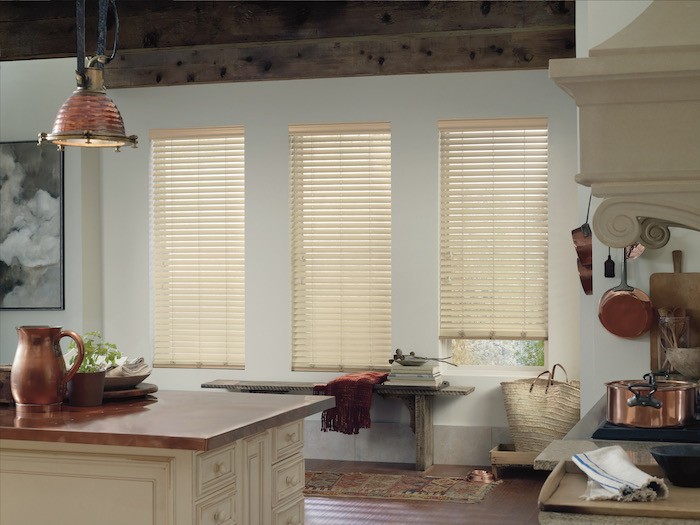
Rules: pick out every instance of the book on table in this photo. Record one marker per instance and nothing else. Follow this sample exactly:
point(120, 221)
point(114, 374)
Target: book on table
point(424, 377)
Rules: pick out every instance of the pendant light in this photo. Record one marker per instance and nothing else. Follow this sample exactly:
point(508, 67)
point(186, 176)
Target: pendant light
point(89, 118)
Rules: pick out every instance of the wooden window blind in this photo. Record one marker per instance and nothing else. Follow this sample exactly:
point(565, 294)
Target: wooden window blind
point(197, 244)
point(493, 229)
point(341, 246)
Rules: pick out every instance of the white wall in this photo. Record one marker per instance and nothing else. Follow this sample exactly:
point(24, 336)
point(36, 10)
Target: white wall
point(30, 94)
point(412, 104)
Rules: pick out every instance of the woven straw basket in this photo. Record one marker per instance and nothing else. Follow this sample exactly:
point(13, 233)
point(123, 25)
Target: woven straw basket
point(541, 410)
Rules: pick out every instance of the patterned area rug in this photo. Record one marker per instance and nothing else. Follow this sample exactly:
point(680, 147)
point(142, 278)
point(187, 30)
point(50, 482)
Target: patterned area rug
point(394, 486)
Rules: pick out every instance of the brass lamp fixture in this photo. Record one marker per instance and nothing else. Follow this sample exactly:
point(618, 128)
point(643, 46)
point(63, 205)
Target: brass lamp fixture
point(89, 118)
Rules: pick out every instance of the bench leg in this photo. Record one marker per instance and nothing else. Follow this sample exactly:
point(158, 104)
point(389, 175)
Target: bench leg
point(424, 431)
point(420, 408)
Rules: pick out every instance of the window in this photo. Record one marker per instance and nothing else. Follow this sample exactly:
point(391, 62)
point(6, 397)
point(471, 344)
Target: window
point(341, 246)
point(197, 247)
point(493, 240)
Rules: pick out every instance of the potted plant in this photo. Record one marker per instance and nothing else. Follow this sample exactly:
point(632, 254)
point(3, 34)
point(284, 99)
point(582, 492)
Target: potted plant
point(87, 386)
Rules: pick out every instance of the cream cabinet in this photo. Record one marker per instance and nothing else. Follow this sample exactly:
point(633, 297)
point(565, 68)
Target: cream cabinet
point(257, 480)
point(272, 476)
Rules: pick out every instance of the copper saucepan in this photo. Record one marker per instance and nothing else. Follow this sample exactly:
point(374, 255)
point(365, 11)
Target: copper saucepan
point(626, 311)
point(651, 404)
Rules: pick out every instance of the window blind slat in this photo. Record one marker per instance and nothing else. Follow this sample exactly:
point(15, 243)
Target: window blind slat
point(341, 246)
point(493, 229)
point(197, 236)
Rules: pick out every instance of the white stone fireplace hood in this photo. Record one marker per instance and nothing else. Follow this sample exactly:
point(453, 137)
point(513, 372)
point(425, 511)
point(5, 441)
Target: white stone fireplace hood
point(639, 124)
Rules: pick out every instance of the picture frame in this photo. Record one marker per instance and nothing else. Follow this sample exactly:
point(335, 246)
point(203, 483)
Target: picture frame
point(31, 227)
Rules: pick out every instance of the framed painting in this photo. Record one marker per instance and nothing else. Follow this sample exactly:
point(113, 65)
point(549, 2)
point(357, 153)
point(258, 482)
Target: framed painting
point(31, 227)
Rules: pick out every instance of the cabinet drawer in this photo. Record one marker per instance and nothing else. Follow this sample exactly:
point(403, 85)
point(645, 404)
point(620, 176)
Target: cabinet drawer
point(214, 470)
point(290, 514)
point(217, 510)
point(287, 479)
point(287, 439)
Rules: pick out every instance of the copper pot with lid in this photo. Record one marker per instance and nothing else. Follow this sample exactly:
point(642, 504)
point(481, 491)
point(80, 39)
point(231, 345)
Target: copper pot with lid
point(652, 404)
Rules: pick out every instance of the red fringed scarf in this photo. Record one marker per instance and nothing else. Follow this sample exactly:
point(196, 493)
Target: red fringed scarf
point(353, 399)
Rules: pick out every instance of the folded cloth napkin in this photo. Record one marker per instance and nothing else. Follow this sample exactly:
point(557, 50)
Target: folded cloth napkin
point(612, 475)
point(135, 367)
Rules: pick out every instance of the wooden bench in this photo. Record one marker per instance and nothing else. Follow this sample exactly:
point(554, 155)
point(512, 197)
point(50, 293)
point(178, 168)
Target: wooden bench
point(418, 400)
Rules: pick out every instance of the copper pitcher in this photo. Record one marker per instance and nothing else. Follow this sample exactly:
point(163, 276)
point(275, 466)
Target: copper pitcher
point(38, 379)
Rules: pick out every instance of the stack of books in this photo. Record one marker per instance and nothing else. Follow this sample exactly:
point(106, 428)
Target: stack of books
point(424, 375)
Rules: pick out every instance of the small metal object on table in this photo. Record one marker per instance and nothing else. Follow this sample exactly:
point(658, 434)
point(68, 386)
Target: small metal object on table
point(419, 402)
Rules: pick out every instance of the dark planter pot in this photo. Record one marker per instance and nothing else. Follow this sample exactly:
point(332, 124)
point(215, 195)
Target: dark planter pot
point(86, 389)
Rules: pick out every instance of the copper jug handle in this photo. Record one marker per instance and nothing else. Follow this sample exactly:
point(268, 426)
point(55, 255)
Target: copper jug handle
point(78, 358)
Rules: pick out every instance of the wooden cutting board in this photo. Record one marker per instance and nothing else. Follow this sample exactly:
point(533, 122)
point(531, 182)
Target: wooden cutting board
point(675, 289)
point(563, 488)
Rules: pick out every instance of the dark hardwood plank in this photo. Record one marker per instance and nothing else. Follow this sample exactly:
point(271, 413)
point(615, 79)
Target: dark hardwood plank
point(514, 502)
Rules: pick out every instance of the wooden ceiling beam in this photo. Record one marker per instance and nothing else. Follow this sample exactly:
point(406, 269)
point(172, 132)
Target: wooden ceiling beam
point(166, 43)
point(326, 58)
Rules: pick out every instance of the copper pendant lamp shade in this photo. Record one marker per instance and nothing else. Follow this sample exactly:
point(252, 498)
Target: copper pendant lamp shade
point(89, 118)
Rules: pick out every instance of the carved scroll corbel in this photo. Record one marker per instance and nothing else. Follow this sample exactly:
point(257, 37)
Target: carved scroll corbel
point(620, 222)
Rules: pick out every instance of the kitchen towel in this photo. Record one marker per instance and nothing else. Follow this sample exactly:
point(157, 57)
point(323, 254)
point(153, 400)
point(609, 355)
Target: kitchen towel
point(612, 475)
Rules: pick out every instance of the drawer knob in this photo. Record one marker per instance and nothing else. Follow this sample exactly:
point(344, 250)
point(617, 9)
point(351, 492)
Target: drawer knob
point(291, 480)
point(219, 517)
point(219, 467)
point(290, 436)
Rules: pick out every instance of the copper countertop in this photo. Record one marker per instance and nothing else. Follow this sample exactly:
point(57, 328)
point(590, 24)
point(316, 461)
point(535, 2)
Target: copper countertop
point(167, 419)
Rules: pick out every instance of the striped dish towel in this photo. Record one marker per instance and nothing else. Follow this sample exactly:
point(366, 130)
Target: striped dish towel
point(611, 475)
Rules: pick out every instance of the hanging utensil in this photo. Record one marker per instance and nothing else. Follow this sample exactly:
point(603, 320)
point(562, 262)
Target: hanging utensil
point(626, 311)
point(609, 266)
point(583, 242)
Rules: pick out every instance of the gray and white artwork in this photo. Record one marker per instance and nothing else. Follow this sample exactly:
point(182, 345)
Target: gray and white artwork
point(31, 226)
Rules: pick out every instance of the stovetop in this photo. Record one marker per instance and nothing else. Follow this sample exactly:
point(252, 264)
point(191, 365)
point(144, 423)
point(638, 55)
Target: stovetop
point(688, 434)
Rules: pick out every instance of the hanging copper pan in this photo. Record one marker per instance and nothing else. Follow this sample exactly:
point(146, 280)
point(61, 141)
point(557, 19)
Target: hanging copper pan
point(583, 242)
point(626, 311)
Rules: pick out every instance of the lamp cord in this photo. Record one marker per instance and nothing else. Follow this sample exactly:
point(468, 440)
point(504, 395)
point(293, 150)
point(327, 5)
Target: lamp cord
point(102, 31)
point(80, 35)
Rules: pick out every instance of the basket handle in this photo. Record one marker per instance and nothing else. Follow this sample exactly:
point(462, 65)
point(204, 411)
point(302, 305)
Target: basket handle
point(550, 377)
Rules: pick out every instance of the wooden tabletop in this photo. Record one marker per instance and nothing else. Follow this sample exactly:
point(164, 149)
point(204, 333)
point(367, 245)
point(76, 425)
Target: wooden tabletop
point(167, 419)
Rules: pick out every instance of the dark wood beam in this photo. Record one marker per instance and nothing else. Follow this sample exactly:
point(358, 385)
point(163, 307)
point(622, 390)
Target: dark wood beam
point(470, 51)
point(166, 43)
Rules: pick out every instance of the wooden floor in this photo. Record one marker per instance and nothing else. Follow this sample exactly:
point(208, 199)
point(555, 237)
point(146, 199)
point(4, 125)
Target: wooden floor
point(513, 502)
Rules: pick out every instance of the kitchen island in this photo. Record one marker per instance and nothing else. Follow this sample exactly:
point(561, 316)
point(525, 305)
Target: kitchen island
point(172, 458)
